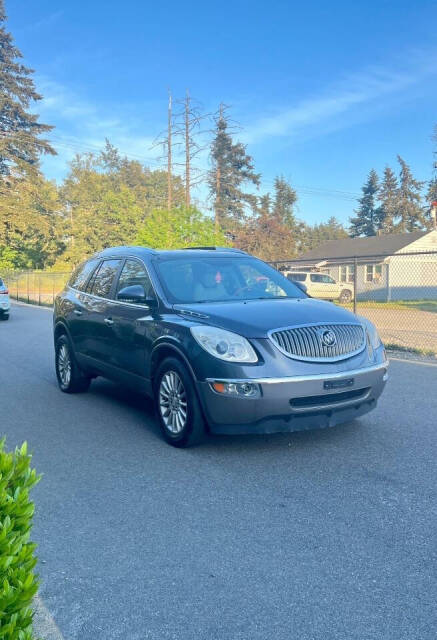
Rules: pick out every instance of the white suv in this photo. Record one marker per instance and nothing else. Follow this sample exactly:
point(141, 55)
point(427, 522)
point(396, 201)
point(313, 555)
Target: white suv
point(320, 285)
point(5, 304)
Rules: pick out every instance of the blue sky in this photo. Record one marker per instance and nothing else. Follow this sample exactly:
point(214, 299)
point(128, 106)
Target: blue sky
point(323, 91)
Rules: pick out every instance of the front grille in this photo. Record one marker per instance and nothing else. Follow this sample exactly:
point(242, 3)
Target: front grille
point(311, 342)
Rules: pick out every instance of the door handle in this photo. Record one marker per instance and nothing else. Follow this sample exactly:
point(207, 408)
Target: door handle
point(109, 321)
point(78, 312)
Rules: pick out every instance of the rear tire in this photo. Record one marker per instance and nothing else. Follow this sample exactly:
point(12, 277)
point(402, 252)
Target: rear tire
point(177, 405)
point(71, 378)
point(4, 316)
point(345, 296)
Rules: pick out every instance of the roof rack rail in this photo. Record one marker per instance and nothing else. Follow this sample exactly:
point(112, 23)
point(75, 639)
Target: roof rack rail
point(231, 249)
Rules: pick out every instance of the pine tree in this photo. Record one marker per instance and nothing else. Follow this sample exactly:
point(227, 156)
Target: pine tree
point(284, 201)
point(389, 199)
point(367, 215)
point(232, 167)
point(410, 209)
point(20, 144)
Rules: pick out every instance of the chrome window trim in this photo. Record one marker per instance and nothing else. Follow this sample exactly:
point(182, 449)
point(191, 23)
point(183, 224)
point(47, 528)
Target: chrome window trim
point(344, 356)
point(113, 300)
point(305, 378)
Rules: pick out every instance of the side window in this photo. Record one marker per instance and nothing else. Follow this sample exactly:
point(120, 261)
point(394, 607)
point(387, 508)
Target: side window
point(316, 277)
point(328, 280)
point(80, 276)
point(134, 272)
point(299, 277)
point(104, 277)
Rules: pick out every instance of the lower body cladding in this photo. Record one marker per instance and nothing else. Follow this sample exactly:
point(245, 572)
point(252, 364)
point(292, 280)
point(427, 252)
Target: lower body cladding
point(274, 405)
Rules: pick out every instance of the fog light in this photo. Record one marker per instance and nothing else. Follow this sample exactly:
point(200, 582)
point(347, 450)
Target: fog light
point(241, 389)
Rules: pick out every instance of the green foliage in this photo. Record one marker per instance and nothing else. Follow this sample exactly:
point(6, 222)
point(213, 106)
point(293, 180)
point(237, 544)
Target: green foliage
point(231, 168)
point(284, 203)
point(410, 209)
point(365, 223)
point(9, 259)
point(179, 228)
point(18, 583)
point(389, 198)
point(315, 235)
point(20, 144)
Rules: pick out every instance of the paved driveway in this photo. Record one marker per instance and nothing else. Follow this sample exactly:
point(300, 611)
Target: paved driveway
point(310, 536)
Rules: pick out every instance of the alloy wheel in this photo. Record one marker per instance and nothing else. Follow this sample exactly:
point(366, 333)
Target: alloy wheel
point(64, 365)
point(173, 402)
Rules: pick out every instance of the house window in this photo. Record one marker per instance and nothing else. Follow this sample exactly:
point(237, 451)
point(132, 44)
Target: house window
point(347, 273)
point(373, 272)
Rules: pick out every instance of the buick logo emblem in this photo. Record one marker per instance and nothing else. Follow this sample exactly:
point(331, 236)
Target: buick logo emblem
point(328, 338)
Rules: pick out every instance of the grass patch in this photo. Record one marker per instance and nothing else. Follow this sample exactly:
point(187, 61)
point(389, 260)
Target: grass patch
point(393, 346)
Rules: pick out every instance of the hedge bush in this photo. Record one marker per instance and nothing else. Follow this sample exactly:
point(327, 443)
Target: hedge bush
point(18, 582)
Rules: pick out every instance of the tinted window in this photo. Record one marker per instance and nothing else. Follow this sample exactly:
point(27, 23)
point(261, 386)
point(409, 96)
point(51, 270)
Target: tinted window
point(80, 276)
point(328, 280)
point(104, 277)
point(134, 272)
point(206, 279)
point(300, 277)
point(1, 282)
point(316, 277)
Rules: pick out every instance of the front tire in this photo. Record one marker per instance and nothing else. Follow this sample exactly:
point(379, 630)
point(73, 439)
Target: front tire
point(70, 378)
point(177, 406)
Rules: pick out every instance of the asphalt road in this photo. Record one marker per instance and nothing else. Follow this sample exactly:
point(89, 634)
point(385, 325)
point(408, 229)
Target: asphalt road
point(308, 536)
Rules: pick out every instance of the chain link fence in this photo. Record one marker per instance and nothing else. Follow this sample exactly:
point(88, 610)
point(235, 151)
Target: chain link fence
point(398, 293)
point(35, 287)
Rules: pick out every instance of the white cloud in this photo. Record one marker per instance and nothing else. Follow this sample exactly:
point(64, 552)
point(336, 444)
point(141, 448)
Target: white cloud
point(332, 108)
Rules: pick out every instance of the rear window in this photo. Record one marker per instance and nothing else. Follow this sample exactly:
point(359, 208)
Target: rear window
point(80, 277)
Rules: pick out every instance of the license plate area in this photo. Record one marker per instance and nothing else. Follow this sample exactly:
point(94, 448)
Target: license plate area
point(346, 383)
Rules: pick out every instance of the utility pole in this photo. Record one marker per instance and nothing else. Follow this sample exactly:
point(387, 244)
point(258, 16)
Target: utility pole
point(218, 183)
point(187, 152)
point(169, 158)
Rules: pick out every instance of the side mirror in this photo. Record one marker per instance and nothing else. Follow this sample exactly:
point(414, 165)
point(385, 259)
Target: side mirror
point(135, 293)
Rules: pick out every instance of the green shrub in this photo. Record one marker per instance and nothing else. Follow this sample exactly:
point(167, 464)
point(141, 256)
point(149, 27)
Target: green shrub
point(18, 583)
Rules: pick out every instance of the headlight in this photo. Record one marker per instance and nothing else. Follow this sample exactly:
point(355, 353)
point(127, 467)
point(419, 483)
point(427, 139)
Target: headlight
point(371, 332)
point(224, 344)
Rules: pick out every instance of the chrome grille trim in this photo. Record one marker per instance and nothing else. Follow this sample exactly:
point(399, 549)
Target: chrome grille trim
point(303, 342)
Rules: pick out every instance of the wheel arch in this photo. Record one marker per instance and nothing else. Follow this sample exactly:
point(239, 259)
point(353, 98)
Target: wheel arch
point(164, 350)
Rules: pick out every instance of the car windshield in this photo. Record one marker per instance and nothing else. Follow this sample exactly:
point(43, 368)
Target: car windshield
point(202, 279)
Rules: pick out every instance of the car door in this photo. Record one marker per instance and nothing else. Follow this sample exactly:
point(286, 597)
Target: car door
point(316, 288)
point(74, 304)
point(99, 335)
point(331, 288)
point(135, 326)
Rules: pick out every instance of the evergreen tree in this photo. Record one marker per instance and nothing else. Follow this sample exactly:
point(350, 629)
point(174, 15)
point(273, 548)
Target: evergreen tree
point(389, 199)
point(315, 235)
point(284, 201)
point(232, 167)
point(410, 210)
point(20, 144)
point(367, 215)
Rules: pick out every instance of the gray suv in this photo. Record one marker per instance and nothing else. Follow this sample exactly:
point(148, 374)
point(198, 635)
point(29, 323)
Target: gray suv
point(222, 341)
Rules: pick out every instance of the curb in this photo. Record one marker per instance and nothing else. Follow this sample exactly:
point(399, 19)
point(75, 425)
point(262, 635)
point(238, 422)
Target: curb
point(44, 624)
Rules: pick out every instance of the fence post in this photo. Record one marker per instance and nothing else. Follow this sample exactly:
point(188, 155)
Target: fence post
point(355, 283)
point(39, 289)
point(27, 282)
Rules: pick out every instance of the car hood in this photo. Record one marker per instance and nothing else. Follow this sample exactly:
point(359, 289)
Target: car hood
point(254, 318)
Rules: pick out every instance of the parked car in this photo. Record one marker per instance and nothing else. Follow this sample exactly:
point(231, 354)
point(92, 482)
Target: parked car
point(5, 304)
point(320, 285)
point(221, 340)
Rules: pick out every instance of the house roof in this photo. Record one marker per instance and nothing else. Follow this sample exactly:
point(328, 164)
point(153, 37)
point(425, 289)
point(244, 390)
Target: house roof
point(346, 247)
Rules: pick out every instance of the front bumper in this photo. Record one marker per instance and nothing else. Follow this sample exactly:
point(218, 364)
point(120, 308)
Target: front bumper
point(295, 403)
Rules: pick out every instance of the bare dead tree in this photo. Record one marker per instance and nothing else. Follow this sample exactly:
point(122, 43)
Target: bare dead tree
point(188, 129)
point(165, 140)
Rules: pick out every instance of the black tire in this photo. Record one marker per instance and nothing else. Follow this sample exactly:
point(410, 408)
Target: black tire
point(345, 296)
point(76, 381)
point(4, 316)
point(192, 430)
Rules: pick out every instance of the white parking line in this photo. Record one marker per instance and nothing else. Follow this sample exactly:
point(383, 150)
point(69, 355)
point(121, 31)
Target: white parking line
point(44, 624)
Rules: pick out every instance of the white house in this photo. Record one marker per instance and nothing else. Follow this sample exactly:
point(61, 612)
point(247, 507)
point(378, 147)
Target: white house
point(389, 267)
